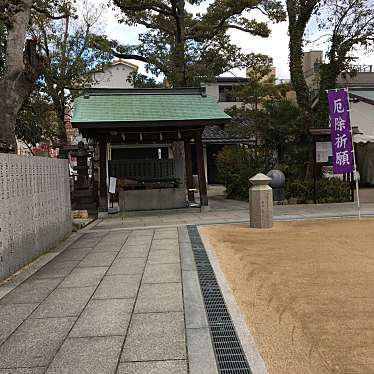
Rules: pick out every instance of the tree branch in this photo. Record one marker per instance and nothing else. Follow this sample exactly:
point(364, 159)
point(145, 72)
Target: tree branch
point(129, 56)
point(49, 15)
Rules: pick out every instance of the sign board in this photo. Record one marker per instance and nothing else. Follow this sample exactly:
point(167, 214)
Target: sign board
point(341, 136)
point(112, 185)
point(323, 152)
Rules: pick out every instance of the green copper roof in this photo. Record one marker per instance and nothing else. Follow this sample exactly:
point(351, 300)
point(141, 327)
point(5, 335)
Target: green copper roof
point(366, 94)
point(152, 106)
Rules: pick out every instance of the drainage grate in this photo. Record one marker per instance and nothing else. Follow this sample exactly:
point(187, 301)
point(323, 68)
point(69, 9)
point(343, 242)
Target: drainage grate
point(229, 353)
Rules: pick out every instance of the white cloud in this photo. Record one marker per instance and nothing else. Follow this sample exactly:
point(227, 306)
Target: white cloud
point(275, 46)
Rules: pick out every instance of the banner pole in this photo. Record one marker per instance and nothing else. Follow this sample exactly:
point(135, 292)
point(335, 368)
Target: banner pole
point(354, 159)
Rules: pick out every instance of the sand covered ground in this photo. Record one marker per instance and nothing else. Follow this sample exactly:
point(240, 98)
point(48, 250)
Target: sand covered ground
point(306, 290)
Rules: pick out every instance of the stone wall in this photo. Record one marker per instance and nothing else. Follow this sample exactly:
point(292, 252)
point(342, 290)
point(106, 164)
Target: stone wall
point(34, 208)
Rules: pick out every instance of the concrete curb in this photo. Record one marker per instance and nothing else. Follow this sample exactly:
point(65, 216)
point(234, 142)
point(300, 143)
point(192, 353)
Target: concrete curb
point(254, 358)
point(9, 284)
point(201, 357)
point(277, 218)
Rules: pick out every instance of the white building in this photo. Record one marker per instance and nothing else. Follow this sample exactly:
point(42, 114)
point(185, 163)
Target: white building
point(116, 75)
point(222, 91)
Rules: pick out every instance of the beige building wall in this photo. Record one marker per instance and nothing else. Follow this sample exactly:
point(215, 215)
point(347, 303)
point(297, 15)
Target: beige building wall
point(116, 75)
point(310, 58)
point(271, 75)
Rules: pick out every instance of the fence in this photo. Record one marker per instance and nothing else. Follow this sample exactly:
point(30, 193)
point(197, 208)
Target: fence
point(34, 208)
point(143, 170)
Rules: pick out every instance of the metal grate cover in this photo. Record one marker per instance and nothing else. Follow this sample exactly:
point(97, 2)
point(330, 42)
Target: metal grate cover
point(228, 350)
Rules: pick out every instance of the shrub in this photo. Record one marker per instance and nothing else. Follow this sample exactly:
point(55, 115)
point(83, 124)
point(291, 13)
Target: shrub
point(331, 190)
point(235, 166)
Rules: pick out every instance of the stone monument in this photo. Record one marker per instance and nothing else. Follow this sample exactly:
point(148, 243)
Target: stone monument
point(277, 183)
point(82, 167)
point(261, 202)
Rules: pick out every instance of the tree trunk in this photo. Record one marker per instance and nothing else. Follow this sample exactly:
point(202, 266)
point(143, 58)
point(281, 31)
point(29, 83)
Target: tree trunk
point(297, 74)
point(329, 74)
point(22, 68)
point(180, 41)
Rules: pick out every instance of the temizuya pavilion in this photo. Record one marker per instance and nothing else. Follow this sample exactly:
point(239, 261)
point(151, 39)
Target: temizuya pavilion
point(143, 138)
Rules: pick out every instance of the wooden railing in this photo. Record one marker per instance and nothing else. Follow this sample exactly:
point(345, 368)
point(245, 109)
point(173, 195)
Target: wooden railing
point(143, 170)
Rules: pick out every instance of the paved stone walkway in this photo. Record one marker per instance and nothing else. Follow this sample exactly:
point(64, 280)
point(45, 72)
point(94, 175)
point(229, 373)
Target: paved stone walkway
point(226, 212)
point(112, 302)
point(123, 298)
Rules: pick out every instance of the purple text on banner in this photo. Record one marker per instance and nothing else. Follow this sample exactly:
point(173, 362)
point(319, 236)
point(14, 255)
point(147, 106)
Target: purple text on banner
point(341, 137)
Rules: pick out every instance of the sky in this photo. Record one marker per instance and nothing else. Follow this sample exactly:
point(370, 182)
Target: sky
point(275, 46)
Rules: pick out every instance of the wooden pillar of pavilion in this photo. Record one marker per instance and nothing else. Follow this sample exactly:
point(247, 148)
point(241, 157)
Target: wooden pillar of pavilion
point(201, 169)
point(103, 188)
point(188, 162)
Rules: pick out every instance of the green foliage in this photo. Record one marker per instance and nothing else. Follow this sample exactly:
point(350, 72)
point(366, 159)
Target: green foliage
point(66, 44)
point(37, 121)
point(327, 190)
point(140, 80)
point(188, 47)
point(346, 25)
point(273, 127)
point(236, 164)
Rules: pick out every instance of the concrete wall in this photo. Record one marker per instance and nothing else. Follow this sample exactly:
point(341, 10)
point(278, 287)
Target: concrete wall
point(34, 208)
point(115, 76)
point(157, 199)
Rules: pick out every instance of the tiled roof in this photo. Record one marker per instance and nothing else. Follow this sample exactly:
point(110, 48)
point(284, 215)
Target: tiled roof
point(142, 106)
point(218, 135)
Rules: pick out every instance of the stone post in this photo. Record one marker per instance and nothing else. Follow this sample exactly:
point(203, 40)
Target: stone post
point(261, 202)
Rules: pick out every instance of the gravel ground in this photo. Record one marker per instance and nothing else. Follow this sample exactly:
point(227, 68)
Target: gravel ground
point(306, 290)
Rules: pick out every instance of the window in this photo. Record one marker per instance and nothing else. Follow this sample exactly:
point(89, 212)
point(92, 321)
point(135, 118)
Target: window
point(227, 94)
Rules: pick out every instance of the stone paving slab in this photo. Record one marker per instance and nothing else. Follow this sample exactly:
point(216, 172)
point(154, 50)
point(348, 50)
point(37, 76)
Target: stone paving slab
point(84, 244)
point(104, 318)
point(11, 316)
point(107, 291)
point(118, 287)
point(126, 265)
point(143, 232)
point(164, 257)
point(154, 367)
point(107, 248)
point(74, 254)
point(139, 240)
point(64, 302)
point(163, 244)
point(56, 269)
point(98, 259)
point(35, 342)
point(154, 337)
point(134, 251)
point(84, 277)
point(87, 356)
point(23, 371)
point(166, 235)
point(32, 291)
point(165, 297)
point(162, 273)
